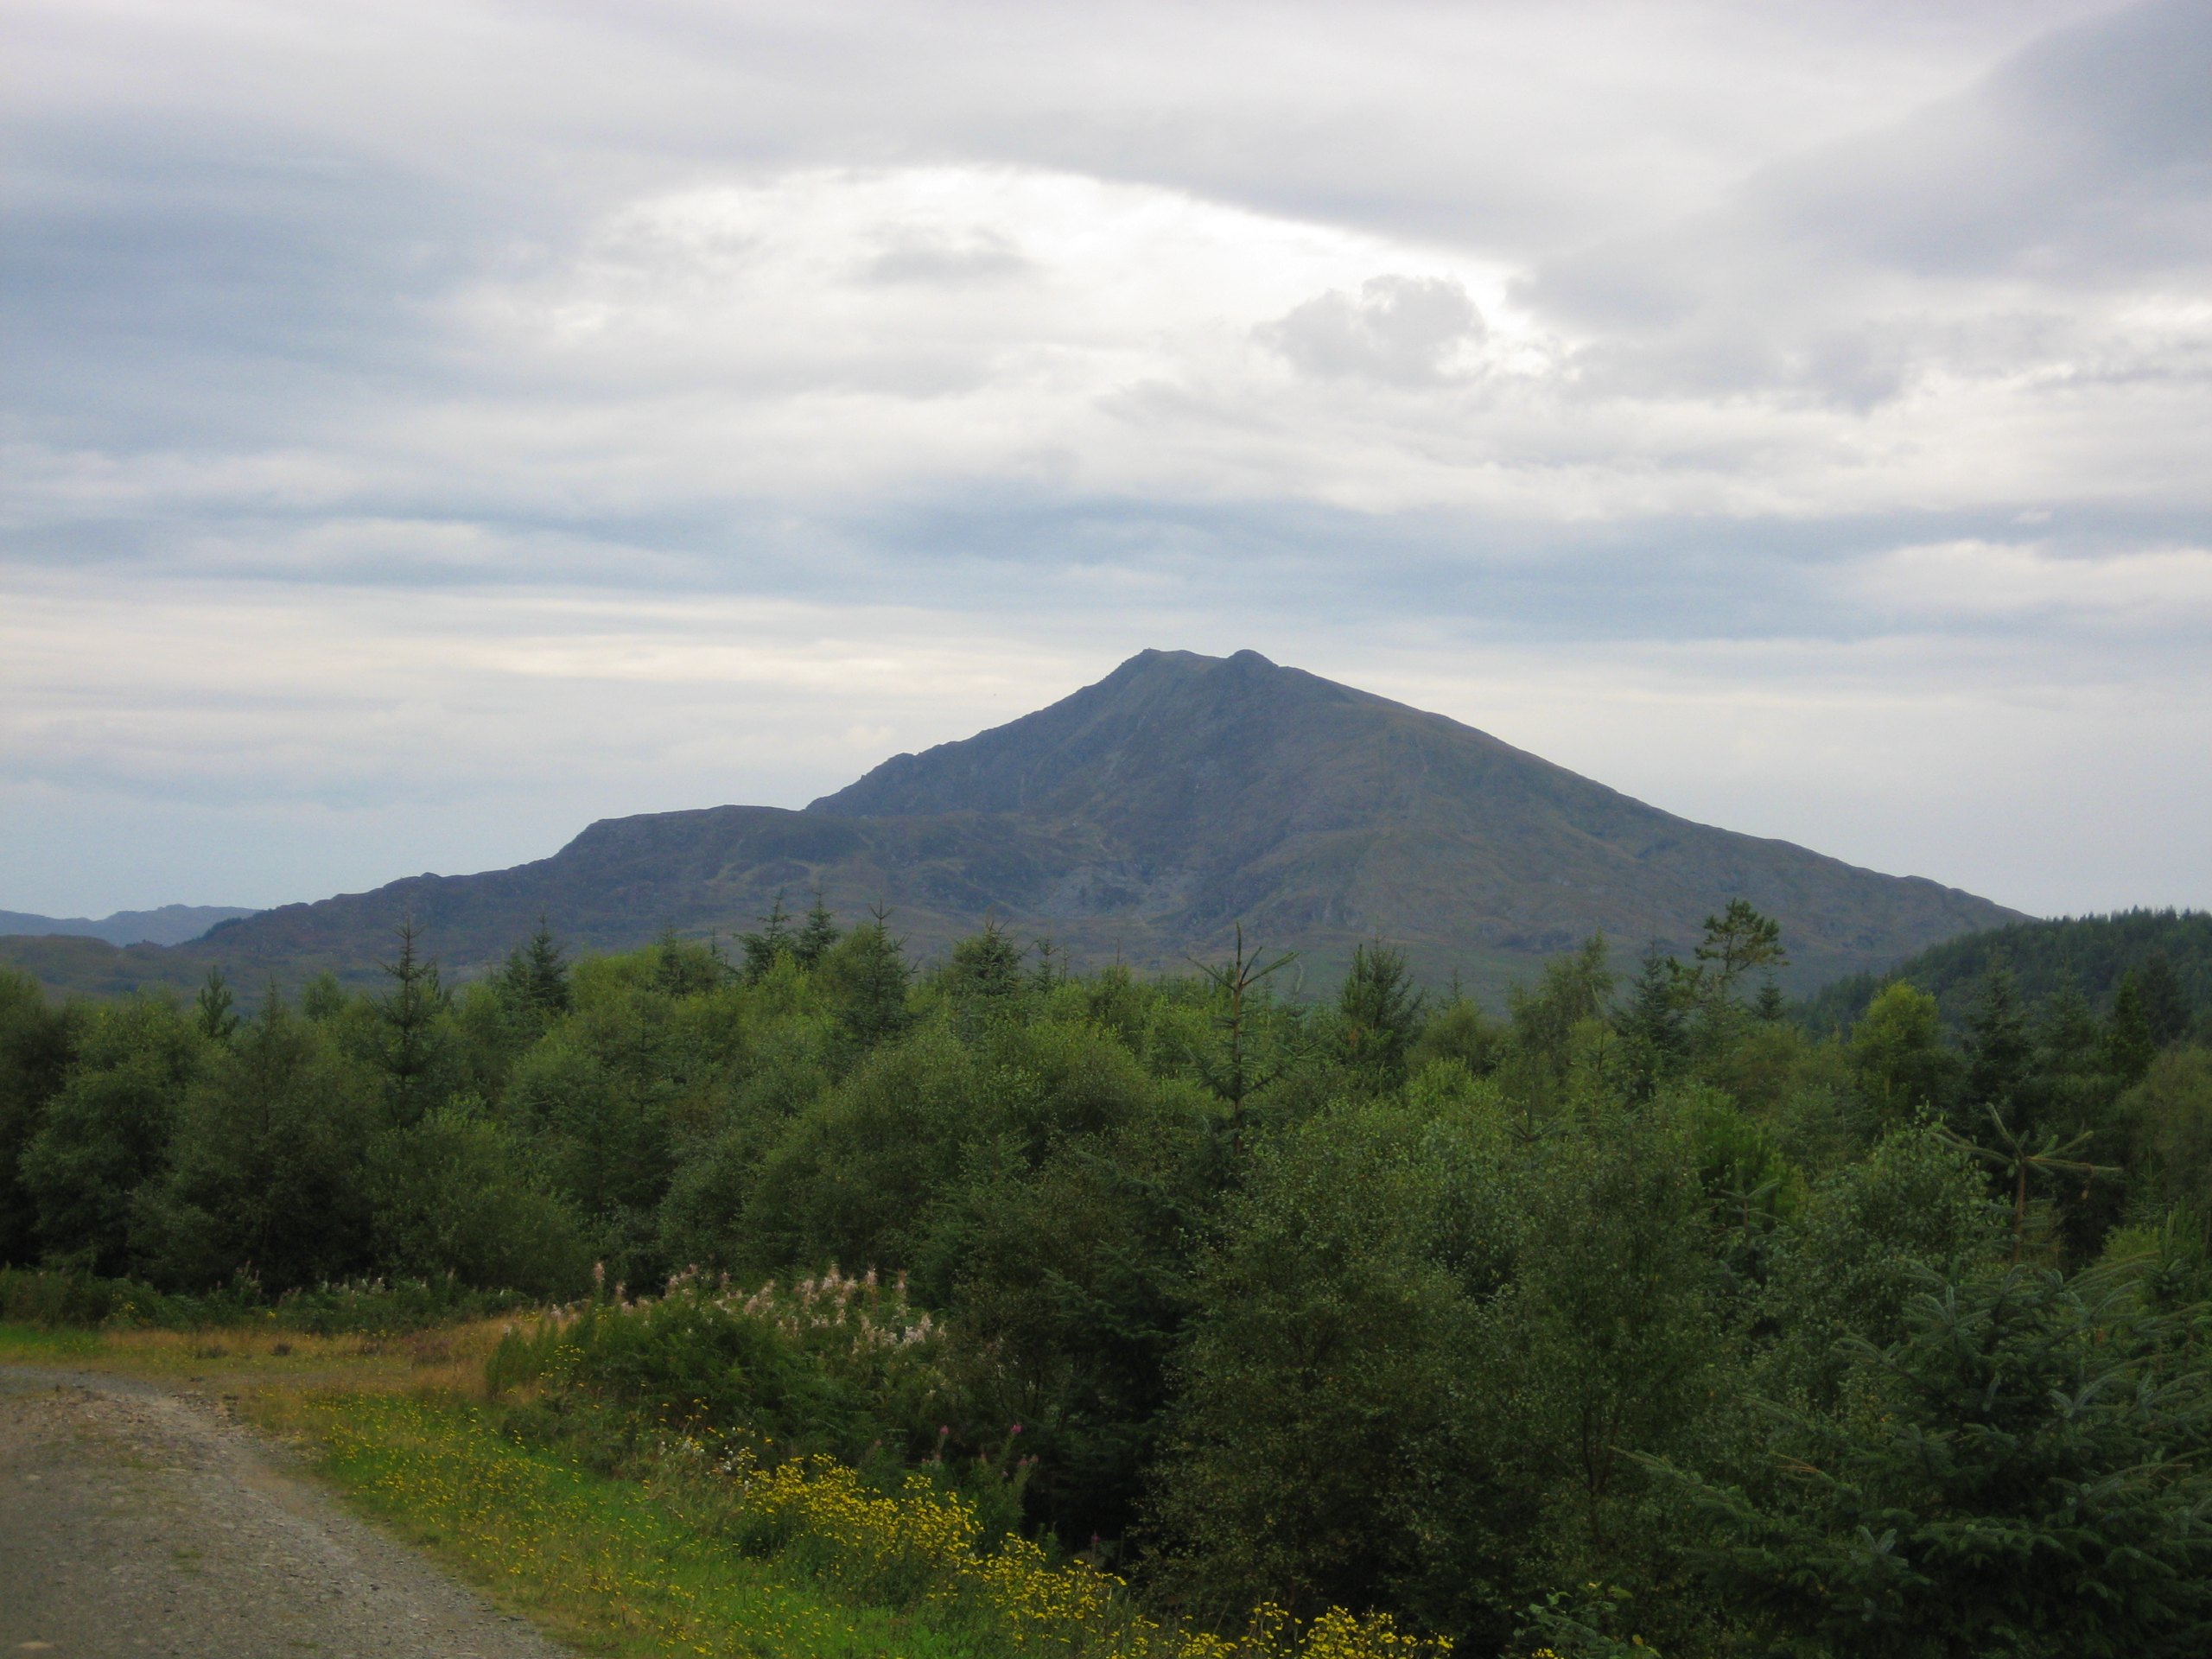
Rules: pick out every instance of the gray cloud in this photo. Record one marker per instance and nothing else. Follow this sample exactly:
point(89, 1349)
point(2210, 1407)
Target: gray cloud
point(1988, 234)
point(1398, 328)
point(496, 384)
point(2088, 156)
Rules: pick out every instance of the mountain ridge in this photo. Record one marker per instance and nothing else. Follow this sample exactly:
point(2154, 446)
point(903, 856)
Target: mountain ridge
point(164, 925)
point(1145, 816)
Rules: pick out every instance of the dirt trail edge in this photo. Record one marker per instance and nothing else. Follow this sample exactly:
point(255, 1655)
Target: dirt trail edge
point(135, 1520)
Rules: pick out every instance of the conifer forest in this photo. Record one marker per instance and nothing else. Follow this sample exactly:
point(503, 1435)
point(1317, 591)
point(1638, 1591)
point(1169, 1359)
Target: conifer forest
point(1649, 1313)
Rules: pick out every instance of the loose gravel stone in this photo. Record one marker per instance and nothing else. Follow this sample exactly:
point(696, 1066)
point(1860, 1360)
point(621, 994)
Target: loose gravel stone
point(137, 1520)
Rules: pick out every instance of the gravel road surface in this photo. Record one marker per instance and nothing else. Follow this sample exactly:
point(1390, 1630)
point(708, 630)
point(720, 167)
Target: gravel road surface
point(139, 1519)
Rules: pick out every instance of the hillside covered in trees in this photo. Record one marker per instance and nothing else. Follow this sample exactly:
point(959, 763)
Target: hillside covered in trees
point(1638, 1318)
point(2169, 952)
point(1139, 820)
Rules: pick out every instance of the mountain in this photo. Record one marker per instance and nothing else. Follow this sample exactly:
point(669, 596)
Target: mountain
point(170, 924)
point(1142, 818)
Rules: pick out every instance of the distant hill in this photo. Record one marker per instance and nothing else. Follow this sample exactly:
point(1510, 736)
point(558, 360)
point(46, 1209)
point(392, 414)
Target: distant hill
point(1142, 818)
point(2094, 952)
point(170, 924)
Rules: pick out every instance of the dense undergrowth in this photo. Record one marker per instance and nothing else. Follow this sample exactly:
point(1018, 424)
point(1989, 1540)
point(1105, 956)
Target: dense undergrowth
point(73, 1297)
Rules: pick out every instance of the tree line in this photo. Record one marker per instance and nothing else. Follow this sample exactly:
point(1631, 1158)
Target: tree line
point(2162, 959)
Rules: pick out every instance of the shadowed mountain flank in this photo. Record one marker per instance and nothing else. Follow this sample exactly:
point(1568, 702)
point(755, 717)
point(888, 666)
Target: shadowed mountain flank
point(1192, 793)
point(1143, 817)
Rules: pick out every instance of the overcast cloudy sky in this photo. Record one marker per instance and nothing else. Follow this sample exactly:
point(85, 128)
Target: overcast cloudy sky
point(426, 428)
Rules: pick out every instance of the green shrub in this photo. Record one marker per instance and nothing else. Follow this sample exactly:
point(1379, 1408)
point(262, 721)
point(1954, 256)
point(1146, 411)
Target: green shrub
point(50, 1298)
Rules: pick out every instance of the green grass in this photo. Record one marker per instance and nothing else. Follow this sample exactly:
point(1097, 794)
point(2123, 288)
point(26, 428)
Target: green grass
point(664, 1553)
point(612, 1565)
point(604, 1561)
point(31, 1344)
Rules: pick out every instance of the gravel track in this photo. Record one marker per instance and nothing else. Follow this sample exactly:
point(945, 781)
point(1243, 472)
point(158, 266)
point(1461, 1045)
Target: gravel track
point(139, 1520)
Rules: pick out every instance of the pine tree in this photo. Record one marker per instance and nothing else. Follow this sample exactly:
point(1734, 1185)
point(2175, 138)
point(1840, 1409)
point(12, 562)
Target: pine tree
point(819, 936)
point(2027, 1476)
point(1999, 1047)
point(217, 1017)
point(1378, 1015)
point(1052, 969)
point(1736, 941)
point(987, 964)
point(685, 967)
point(2069, 1086)
point(2165, 1007)
point(2129, 1045)
point(868, 976)
point(2018, 1159)
point(2069, 1040)
point(1656, 1024)
point(535, 977)
point(774, 939)
point(408, 1015)
point(1235, 1071)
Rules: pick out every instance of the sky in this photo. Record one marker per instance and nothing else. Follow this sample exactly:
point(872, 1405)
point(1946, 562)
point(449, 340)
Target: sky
point(427, 428)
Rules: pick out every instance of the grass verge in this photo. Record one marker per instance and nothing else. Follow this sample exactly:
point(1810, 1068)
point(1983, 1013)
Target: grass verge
point(606, 1562)
point(687, 1547)
point(400, 1429)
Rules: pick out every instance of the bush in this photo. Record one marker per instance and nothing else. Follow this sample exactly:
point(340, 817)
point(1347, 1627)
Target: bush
point(59, 1298)
point(831, 1365)
point(358, 1307)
